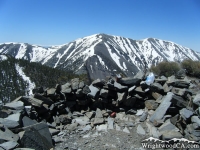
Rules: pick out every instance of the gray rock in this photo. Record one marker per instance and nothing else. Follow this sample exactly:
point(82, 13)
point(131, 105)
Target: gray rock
point(53, 131)
point(93, 92)
point(7, 135)
point(104, 93)
point(9, 145)
point(72, 126)
point(110, 123)
point(157, 87)
point(64, 119)
point(161, 110)
point(179, 101)
point(168, 135)
point(89, 114)
point(79, 93)
point(126, 130)
point(121, 97)
point(86, 89)
point(98, 113)
point(47, 101)
point(14, 117)
point(98, 121)
point(102, 127)
point(10, 124)
point(151, 104)
point(98, 83)
point(39, 131)
point(66, 88)
point(153, 131)
point(27, 121)
point(131, 89)
point(167, 126)
point(117, 127)
point(130, 124)
point(29, 100)
point(5, 113)
point(81, 120)
point(139, 112)
point(129, 101)
point(81, 85)
point(196, 100)
point(156, 95)
point(86, 128)
point(185, 113)
point(195, 119)
point(51, 92)
point(75, 83)
point(120, 87)
point(140, 130)
point(143, 117)
point(18, 105)
point(131, 81)
point(33, 139)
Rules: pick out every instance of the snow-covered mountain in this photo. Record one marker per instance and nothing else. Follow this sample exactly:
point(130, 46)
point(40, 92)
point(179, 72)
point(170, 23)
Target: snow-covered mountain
point(101, 55)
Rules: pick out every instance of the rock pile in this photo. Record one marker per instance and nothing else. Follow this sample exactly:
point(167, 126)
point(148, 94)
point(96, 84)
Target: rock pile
point(168, 108)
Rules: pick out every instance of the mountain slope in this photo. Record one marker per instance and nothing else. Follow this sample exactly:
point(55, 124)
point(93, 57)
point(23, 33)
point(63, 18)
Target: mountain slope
point(101, 55)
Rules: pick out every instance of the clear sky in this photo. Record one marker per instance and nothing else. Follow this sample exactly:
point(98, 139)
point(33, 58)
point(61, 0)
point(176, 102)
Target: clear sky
point(55, 22)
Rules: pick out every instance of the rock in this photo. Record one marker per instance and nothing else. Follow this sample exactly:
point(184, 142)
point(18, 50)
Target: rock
point(93, 92)
point(143, 117)
point(167, 126)
point(130, 124)
point(185, 113)
point(53, 131)
point(98, 113)
point(166, 88)
point(51, 92)
point(196, 100)
point(86, 90)
point(33, 139)
point(119, 87)
point(89, 114)
point(179, 101)
point(10, 124)
point(66, 88)
point(98, 83)
point(27, 121)
point(140, 130)
point(151, 104)
point(75, 83)
point(168, 135)
point(44, 99)
point(14, 117)
point(117, 127)
point(64, 119)
point(86, 128)
point(157, 87)
point(79, 93)
point(102, 127)
point(195, 119)
point(126, 130)
point(181, 84)
point(9, 145)
point(139, 112)
point(131, 112)
point(81, 120)
point(72, 126)
point(129, 101)
point(131, 81)
point(121, 97)
point(161, 79)
point(98, 121)
point(110, 123)
point(5, 113)
point(161, 110)
point(39, 131)
point(7, 135)
point(81, 85)
point(104, 93)
point(153, 131)
point(156, 95)
point(131, 89)
point(18, 105)
point(29, 100)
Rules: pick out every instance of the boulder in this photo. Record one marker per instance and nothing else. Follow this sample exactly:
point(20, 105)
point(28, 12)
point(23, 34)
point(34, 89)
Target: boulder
point(75, 83)
point(66, 88)
point(29, 100)
point(119, 87)
point(93, 91)
point(16, 105)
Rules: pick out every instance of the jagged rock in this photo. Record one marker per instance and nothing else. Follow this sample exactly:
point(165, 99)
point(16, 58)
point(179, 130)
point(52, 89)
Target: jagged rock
point(140, 130)
point(98, 83)
point(126, 130)
point(120, 87)
point(10, 124)
point(157, 87)
point(139, 91)
point(75, 83)
point(32, 138)
point(167, 126)
point(195, 119)
point(5, 113)
point(179, 101)
point(167, 88)
point(98, 121)
point(161, 110)
point(53, 131)
point(72, 126)
point(66, 88)
point(104, 93)
point(139, 112)
point(168, 135)
point(7, 135)
point(93, 91)
point(151, 104)
point(86, 90)
point(41, 130)
point(17, 105)
point(81, 85)
point(9, 145)
point(171, 80)
point(81, 120)
point(156, 95)
point(153, 131)
point(27, 121)
point(89, 114)
point(51, 92)
point(29, 100)
point(131, 89)
point(121, 97)
point(44, 99)
point(196, 100)
point(185, 113)
point(98, 113)
point(161, 79)
point(86, 128)
point(14, 117)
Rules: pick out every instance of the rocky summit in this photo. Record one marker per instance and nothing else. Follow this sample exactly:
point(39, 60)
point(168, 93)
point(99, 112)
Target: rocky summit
point(101, 55)
point(115, 113)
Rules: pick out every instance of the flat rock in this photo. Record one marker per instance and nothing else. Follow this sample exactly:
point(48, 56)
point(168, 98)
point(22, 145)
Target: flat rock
point(131, 81)
point(27, 121)
point(86, 128)
point(53, 131)
point(195, 119)
point(5, 113)
point(18, 105)
point(47, 101)
point(196, 100)
point(81, 85)
point(66, 88)
point(9, 145)
point(89, 114)
point(98, 113)
point(168, 135)
point(81, 120)
point(139, 112)
point(7, 135)
point(117, 127)
point(120, 87)
point(51, 92)
point(29, 100)
point(185, 113)
point(151, 104)
point(10, 124)
point(93, 92)
point(140, 130)
point(167, 126)
point(153, 131)
point(14, 117)
point(110, 123)
point(72, 126)
point(98, 121)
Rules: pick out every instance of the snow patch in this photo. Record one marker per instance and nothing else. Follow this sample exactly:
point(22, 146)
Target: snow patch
point(31, 85)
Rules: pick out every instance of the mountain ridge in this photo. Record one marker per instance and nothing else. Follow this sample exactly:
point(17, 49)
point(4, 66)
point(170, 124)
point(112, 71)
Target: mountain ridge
point(101, 55)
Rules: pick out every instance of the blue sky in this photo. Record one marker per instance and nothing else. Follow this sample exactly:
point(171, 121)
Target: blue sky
point(55, 22)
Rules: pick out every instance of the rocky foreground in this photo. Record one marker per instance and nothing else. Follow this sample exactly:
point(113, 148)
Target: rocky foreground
point(117, 113)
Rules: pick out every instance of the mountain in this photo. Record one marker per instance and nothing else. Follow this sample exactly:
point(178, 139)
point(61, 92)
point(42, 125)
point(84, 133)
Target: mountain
point(101, 55)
